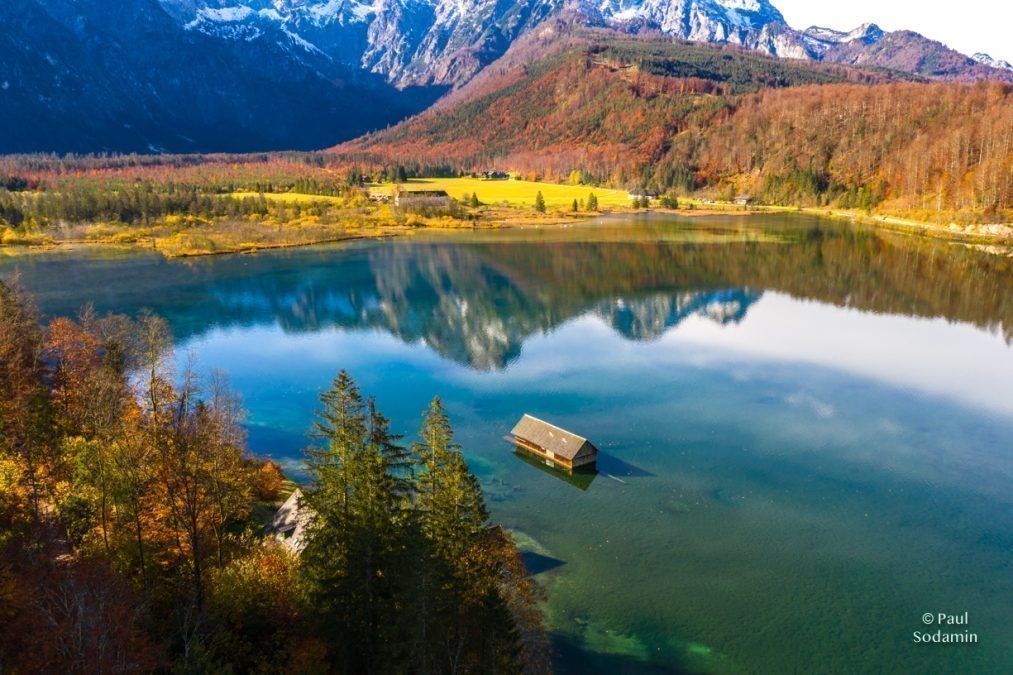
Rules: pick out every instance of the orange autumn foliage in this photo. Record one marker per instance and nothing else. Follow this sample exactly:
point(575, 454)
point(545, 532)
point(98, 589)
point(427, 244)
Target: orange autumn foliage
point(269, 481)
point(940, 148)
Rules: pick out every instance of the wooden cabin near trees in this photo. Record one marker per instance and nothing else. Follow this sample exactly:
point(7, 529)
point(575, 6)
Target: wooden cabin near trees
point(640, 193)
point(491, 175)
point(557, 447)
point(434, 199)
point(290, 521)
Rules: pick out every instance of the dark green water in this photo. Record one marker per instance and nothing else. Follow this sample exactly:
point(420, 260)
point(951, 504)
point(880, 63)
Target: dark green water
point(807, 429)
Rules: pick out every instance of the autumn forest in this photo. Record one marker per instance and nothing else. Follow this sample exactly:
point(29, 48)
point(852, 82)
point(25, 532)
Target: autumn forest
point(629, 116)
point(132, 519)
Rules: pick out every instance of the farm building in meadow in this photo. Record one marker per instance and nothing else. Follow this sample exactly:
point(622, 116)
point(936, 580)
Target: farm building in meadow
point(421, 198)
point(557, 447)
point(640, 193)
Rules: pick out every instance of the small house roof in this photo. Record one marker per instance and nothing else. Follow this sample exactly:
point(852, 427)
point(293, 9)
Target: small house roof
point(408, 192)
point(289, 522)
point(552, 438)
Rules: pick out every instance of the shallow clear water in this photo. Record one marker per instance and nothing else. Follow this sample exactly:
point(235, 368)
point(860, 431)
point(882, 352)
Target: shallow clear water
point(806, 429)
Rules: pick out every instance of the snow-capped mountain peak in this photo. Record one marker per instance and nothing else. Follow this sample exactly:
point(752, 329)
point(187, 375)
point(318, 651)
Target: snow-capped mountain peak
point(867, 33)
point(687, 18)
point(987, 60)
point(445, 42)
point(819, 40)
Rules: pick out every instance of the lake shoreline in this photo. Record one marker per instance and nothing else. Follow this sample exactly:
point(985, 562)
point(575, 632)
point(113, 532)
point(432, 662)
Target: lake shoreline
point(989, 234)
point(996, 239)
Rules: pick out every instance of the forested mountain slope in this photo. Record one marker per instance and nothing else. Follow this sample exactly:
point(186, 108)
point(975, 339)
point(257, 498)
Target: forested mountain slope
point(692, 118)
point(99, 76)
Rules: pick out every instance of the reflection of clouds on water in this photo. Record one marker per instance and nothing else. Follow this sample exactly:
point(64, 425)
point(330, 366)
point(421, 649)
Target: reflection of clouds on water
point(740, 375)
point(889, 426)
point(823, 410)
point(930, 356)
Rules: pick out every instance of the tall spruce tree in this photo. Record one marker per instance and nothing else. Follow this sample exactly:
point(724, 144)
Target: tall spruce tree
point(341, 423)
point(358, 499)
point(450, 515)
point(450, 504)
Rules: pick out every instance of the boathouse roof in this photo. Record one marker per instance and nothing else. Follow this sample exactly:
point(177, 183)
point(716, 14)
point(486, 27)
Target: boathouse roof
point(552, 438)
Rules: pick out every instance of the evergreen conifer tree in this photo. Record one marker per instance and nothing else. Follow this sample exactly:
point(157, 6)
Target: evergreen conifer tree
point(540, 202)
point(449, 501)
point(358, 498)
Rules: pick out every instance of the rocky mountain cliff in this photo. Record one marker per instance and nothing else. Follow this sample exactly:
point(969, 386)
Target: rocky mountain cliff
point(913, 53)
point(445, 42)
point(406, 41)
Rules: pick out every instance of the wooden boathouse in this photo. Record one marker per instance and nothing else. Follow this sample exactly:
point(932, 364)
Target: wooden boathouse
point(555, 446)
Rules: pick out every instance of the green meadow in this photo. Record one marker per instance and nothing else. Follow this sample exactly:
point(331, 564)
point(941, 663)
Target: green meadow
point(520, 193)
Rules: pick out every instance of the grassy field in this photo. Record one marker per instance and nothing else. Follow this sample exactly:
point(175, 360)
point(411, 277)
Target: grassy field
point(291, 197)
point(513, 192)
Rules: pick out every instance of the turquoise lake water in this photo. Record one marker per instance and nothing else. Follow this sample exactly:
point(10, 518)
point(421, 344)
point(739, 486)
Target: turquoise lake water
point(806, 428)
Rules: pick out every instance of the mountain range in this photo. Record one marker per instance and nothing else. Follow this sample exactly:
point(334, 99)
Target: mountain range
point(412, 42)
point(242, 75)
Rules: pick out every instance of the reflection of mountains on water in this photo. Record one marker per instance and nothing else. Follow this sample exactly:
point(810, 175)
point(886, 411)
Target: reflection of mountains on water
point(649, 318)
point(476, 303)
point(466, 309)
point(463, 306)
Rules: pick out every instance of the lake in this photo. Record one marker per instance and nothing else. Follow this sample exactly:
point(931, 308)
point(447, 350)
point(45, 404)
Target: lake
point(806, 427)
